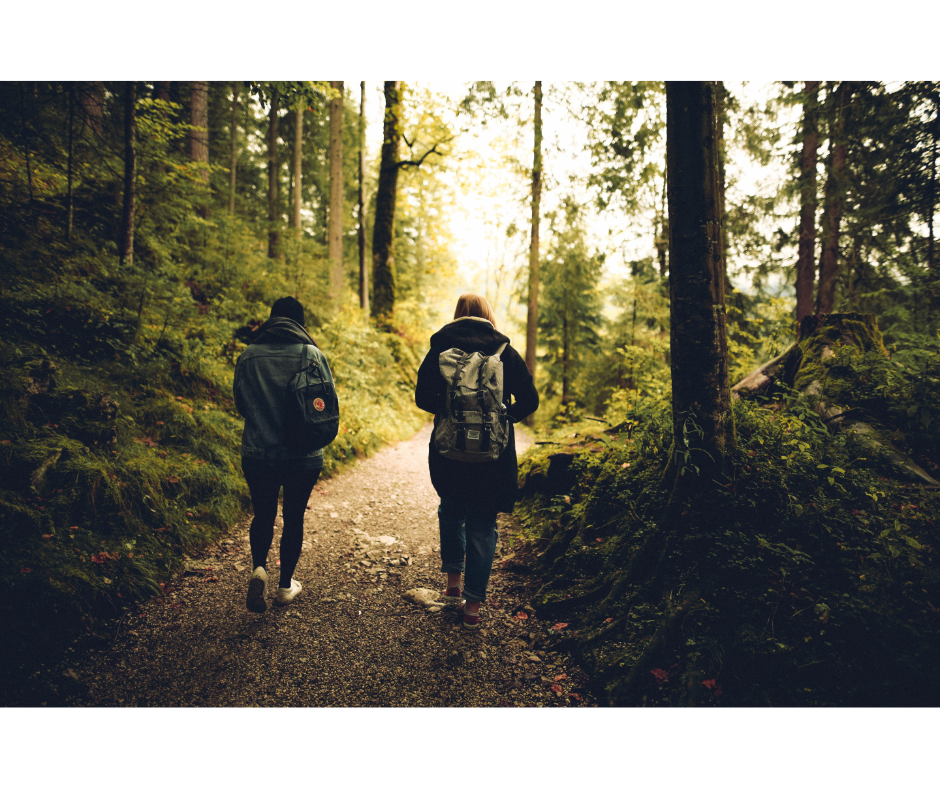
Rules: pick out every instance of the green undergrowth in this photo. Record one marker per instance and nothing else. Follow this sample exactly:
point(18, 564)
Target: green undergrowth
point(809, 577)
point(120, 443)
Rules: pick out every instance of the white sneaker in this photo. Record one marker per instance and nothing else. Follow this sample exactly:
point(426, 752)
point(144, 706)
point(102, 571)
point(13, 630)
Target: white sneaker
point(257, 601)
point(286, 595)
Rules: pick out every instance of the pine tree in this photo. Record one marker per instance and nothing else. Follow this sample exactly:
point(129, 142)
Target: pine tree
point(570, 309)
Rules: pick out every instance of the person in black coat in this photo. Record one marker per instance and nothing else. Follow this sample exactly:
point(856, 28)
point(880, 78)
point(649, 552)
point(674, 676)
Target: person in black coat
point(472, 493)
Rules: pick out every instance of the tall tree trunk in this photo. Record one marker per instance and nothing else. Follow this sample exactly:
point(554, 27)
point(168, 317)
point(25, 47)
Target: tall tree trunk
point(335, 248)
point(91, 99)
point(662, 236)
point(130, 173)
point(532, 311)
point(565, 358)
point(199, 136)
point(832, 210)
point(701, 401)
point(233, 151)
point(161, 91)
point(363, 279)
point(806, 259)
point(273, 179)
point(721, 97)
point(199, 119)
point(383, 263)
point(932, 272)
point(297, 164)
point(25, 135)
point(70, 199)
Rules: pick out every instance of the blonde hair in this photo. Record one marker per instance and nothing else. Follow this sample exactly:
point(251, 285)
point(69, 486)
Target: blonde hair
point(473, 305)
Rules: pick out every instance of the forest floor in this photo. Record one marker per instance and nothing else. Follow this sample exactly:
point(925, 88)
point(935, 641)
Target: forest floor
point(350, 638)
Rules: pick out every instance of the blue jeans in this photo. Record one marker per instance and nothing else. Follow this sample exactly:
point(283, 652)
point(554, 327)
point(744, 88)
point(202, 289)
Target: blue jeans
point(468, 531)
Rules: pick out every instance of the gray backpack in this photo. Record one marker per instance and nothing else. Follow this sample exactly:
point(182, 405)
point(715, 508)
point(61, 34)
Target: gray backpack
point(475, 426)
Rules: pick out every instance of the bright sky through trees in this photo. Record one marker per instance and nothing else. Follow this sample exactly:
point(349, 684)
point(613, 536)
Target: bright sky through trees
point(489, 171)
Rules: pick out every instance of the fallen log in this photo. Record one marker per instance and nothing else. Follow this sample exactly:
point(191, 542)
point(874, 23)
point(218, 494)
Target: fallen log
point(804, 367)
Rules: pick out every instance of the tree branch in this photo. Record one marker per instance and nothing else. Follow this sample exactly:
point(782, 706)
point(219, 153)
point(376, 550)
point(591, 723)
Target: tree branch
point(419, 162)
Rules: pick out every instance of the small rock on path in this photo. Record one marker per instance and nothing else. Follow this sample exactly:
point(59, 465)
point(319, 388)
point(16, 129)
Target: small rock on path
point(350, 638)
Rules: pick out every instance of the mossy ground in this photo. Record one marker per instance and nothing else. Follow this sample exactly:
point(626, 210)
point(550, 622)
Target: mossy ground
point(101, 504)
point(815, 572)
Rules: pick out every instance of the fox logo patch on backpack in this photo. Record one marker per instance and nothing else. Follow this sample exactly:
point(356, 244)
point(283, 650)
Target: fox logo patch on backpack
point(475, 426)
point(311, 407)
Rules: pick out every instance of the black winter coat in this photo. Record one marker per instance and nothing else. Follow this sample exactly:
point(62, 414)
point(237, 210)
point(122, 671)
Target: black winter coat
point(492, 483)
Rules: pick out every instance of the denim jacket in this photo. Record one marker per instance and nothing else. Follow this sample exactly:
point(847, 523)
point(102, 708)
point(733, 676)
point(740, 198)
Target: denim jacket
point(262, 373)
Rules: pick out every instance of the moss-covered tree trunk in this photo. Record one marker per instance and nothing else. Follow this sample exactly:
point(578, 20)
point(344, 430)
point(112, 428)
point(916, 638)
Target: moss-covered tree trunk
point(130, 173)
point(701, 401)
point(532, 309)
point(335, 248)
point(805, 263)
point(383, 264)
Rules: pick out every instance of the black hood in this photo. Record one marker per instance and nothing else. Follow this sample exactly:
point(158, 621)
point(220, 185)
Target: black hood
point(282, 331)
point(470, 334)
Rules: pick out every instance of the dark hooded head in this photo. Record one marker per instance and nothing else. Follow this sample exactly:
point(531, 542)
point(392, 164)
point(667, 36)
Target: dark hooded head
point(288, 307)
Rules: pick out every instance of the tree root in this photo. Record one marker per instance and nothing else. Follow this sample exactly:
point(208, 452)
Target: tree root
point(559, 606)
point(663, 635)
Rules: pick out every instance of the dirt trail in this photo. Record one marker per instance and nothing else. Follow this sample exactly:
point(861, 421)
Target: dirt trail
point(350, 638)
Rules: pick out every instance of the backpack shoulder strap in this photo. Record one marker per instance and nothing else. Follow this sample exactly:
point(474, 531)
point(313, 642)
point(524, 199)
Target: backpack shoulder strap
point(500, 349)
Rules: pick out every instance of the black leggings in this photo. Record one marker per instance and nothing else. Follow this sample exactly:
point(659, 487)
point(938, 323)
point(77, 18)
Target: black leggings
point(264, 484)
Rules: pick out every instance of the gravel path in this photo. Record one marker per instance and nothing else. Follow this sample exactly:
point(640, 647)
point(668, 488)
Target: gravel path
point(350, 638)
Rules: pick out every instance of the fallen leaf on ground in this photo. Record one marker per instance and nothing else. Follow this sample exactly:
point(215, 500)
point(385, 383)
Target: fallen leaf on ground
point(561, 677)
point(559, 625)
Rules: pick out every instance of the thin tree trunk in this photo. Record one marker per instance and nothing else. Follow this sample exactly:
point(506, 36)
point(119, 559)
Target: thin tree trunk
point(701, 401)
point(832, 214)
point(25, 134)
point(199, 119)
point(383, 263)
point(161, 91)
point(199, 136)
point(130, 173)
point(363, 279)
point(233, 151)
point(297, 165)
point(662, 236)
point(91, 99)
point(335, 248)
point(273, 180)
point(722, 109)
point(70, 198)
point(564, 360)
point(532, 312)
point(932, 272)
point(805, 264)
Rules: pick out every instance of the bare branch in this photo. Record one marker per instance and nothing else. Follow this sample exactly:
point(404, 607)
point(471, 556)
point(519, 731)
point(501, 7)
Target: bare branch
point(420, 161)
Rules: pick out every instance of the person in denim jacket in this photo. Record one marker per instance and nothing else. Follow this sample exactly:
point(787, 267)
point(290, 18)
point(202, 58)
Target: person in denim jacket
point(262, 373)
